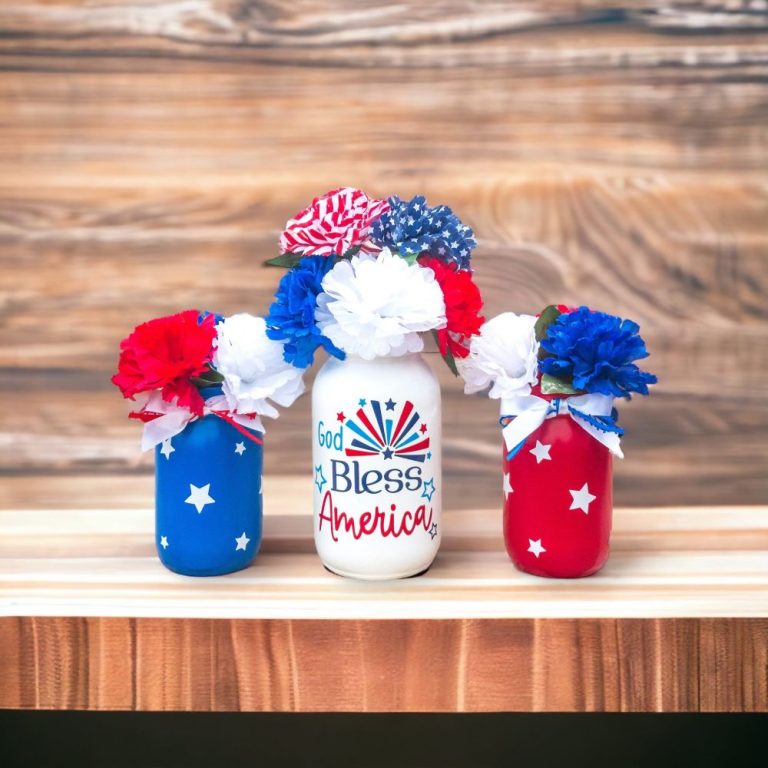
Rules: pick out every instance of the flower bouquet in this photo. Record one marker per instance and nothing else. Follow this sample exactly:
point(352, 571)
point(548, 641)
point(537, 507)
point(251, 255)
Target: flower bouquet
point(557, 376)
point(202, 383)
point(366, 280)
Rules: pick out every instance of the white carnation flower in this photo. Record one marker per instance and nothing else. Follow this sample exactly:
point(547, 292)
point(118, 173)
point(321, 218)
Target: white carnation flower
point(503, 355)
point(376, 306)
point(253, 367)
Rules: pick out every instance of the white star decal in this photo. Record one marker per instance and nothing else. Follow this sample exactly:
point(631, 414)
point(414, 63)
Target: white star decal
point(582, 499)
point(507, 485)
point(541, 452)
point(242, 542)
point(535, 547)
point(164, 542)
point(167, 449)
point(199, 497)
point(240, 448)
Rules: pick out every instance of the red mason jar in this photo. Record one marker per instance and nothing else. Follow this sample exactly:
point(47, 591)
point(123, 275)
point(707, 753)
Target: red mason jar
point(558, 500)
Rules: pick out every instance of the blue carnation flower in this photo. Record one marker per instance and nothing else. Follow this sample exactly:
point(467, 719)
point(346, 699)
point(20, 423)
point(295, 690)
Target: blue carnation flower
point(597, 352)
point(413, 228)
point(291, 317)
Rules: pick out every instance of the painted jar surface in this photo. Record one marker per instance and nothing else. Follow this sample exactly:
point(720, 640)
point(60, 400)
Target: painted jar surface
point(558, 501)
point(376, 442)
point(208, 506)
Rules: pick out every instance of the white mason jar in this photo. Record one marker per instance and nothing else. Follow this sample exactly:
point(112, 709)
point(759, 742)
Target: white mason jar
point(376, 427)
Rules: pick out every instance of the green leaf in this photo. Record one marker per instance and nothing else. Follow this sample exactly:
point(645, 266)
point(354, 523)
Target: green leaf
point(545, 319)
point(287, 260)
point(552, 385)
point(209, 378)
point(450, 361)
point(351, 252)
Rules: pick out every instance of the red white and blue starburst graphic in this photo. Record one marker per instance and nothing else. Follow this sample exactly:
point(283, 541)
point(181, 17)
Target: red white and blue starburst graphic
point(383, 428)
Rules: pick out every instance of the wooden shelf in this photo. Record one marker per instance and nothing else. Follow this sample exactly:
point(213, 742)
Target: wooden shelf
point(677, 620)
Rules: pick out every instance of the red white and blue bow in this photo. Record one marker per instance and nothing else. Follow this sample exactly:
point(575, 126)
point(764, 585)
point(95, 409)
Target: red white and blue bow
point(163, 420)
point(522, 415)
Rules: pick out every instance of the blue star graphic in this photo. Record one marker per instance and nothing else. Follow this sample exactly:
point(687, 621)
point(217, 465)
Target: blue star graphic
point(390, 404)
point(387, 453)
point(429, 454)
point(428, 490)
point(362, 401)
point(320, 480)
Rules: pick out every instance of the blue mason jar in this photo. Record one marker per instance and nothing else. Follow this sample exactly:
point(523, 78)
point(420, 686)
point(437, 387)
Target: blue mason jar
point(208, 502)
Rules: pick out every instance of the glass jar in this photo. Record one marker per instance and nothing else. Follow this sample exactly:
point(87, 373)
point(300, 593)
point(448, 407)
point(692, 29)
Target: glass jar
point(208, 509)
point(558, 500)
point(376, 427)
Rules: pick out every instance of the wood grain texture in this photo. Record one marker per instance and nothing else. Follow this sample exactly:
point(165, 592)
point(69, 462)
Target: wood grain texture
point(610, 156)
point(677, 621)
point(538, 665)
point(665, 563)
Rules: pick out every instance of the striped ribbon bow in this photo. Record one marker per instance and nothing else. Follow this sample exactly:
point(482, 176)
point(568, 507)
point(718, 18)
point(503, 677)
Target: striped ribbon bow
point(522, 415)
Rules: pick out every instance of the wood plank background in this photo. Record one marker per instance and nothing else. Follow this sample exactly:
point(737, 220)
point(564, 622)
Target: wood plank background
point(151, 151)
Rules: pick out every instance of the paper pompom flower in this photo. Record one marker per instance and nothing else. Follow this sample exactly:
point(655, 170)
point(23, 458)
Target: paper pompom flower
point(291, 317)
point(377, 306)
point(253, 367)
point(333, 224)
point(596, 352)
point(463, 304)
point(503, 356)
point(165, 354)
point(413, 228)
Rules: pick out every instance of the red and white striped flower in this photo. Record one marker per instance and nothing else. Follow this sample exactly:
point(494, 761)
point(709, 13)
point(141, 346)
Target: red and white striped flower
point(333, 223)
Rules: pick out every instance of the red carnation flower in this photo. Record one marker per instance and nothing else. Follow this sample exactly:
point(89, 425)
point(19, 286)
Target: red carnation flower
point(463, 304)
point(165, 354)
point(332, 224)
